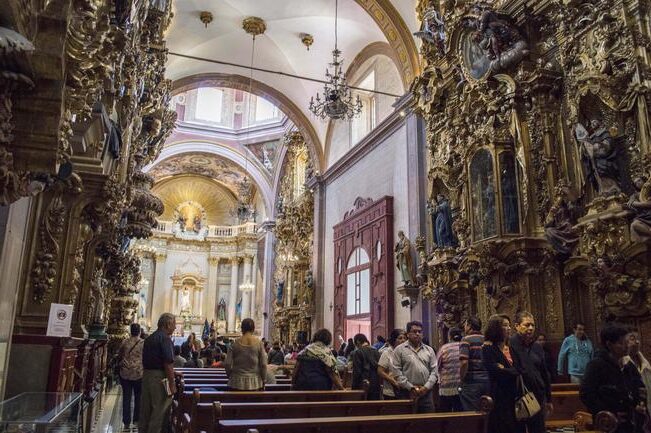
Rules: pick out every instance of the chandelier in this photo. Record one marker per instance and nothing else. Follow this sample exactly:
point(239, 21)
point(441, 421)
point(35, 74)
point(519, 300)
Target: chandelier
point(337, 101)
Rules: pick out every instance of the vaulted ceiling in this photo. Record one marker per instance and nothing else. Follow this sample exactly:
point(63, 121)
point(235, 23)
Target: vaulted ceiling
point(280, 48)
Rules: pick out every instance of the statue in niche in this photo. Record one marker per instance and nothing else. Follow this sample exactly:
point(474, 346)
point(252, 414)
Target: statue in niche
point(559, 230)
point(181, 222)
point(185, 299)
point(280, 287)
point(404, 261)
point(308, 288)
point(432, 30)
point(442, 222)
point(221, 309)
point(640, 204)
point(599, 154)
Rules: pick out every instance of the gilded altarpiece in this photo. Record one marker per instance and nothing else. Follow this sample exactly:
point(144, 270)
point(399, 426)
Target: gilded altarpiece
point(293, 304)
point(539, 167)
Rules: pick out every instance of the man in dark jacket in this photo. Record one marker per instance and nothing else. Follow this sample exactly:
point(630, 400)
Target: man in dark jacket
point(275, 355)
point(609, 386)
point(529, 360)
point(365, 361)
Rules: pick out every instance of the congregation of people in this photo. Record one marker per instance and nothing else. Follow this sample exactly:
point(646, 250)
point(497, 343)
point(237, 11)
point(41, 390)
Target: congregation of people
point(505, 360)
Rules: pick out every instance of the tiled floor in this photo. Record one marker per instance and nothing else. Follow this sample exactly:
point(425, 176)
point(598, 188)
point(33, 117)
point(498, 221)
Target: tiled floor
point(110, 416)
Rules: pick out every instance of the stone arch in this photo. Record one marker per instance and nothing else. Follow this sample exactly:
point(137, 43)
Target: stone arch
point(400, 38)
point(258, 88)
point(252, 168)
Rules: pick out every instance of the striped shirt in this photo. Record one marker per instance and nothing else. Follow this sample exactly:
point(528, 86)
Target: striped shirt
point(470, 349)
point(448, 369)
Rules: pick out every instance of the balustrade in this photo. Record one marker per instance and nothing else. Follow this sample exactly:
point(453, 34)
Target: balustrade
point(214, 231)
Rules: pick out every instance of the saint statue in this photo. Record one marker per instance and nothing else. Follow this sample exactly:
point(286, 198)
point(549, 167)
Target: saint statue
point(442, 222)
point(640, 204)
point(559, 229)
point(308, 287)
point(279, 292)
point(432, 29)
point(185, 299)
point(403, 259)
point(196, 226)
point(238, 308)
point(599, 154)
point(221, 309)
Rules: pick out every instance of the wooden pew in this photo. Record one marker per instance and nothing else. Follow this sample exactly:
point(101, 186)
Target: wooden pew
point(224, 387)
point(210, 379)
point(451, 422)
point(565, 387)
point(204, 416)
point(185, 399)
point(566, 405)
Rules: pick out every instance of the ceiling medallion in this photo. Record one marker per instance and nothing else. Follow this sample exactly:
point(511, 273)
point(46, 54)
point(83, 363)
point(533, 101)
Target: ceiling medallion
point(254, 26)
point(206, 18)
point(307, 40)
point(337, 101)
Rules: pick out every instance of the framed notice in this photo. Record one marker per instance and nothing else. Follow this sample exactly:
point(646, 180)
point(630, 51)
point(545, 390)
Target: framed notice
point(58, 325)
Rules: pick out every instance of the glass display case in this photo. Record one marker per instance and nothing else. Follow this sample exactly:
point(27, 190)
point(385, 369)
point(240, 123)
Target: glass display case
point(41, 412)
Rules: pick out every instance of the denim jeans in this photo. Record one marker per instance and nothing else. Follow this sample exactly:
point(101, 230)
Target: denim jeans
point(130, 388)
point(471, 393)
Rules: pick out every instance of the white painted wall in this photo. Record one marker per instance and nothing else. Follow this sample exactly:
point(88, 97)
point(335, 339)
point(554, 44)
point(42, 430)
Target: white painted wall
point(381, 172)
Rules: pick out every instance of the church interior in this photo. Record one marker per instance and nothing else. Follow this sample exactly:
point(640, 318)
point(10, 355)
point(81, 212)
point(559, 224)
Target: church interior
point(459, 158)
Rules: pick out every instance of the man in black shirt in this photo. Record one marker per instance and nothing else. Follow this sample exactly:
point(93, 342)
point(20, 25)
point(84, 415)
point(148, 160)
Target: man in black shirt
point(529, 360)
point(158, 364)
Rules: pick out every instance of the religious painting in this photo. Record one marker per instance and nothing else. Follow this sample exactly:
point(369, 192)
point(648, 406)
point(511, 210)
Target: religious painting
point(475, 59)
point(509, 189)
point(482, 186)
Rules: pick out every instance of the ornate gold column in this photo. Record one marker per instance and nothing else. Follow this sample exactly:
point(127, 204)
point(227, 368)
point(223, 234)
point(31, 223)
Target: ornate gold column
point(212, 287)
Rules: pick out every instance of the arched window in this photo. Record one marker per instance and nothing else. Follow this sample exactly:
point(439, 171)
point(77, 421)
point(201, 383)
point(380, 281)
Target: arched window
point(482, 187)
point(509, 190)
point(358, 283)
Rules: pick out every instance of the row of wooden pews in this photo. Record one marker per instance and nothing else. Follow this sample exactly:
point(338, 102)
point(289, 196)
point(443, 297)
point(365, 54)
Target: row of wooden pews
point(284, 411)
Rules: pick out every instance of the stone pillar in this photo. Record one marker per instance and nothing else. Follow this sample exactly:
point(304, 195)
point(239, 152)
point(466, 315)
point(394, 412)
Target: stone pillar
point(158, 306)
point(254, 281)
point(210, 296)
point(246, 294)
point(232, 296)
point(317, 187)
point(196, 302)
point(268, 287)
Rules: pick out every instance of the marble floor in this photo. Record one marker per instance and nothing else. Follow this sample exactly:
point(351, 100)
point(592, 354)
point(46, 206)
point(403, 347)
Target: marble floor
point(110, 416)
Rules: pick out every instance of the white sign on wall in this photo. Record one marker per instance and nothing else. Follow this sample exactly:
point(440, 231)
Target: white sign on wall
point(58, 325)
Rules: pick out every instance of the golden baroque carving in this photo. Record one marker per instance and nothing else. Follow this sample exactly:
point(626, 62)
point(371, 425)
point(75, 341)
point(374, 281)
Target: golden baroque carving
point(45, 267)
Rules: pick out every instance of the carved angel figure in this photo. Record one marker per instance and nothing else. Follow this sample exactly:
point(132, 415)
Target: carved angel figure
point(404, 262)
point(432, 29)
point(640, 203)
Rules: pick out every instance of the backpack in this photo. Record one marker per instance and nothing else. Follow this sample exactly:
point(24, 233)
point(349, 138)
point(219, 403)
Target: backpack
point(127, 362)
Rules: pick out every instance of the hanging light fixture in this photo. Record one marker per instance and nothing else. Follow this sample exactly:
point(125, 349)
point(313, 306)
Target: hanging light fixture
point(337, 101)
point(245, 212)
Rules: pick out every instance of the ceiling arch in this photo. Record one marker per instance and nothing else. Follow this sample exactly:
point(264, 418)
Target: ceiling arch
point(195, 147)
point(398, 34)
point(259, 89)
point(361, 22)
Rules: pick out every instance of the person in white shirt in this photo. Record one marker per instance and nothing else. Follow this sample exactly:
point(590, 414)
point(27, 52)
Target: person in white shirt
point(387, 365)
point(640, 362)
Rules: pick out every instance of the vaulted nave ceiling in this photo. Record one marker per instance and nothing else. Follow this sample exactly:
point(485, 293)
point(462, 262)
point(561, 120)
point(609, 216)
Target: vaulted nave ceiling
point(280, 48)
